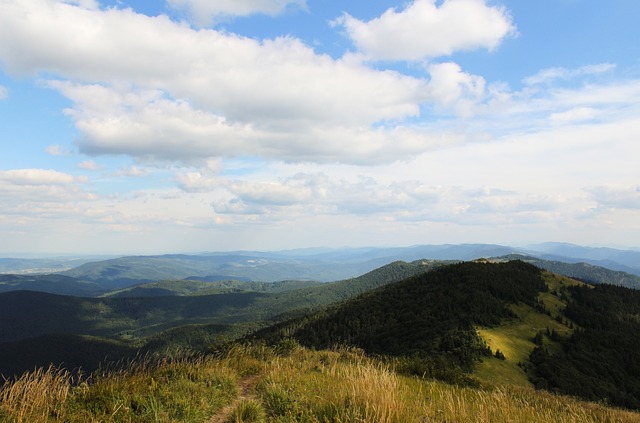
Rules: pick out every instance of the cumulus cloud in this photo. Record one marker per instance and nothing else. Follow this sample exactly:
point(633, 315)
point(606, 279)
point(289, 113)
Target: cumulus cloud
point(156, 89)
point(426, 30)
point(4, 93)
point(204, 12)
point(451, 87)
point(149, 126)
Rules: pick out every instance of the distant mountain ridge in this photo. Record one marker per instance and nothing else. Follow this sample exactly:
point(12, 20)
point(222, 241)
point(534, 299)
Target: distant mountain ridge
point(320, 265)
point(612, 258)
point(582, 271)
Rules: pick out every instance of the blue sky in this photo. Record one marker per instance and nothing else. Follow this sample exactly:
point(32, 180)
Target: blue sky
point(206, 125)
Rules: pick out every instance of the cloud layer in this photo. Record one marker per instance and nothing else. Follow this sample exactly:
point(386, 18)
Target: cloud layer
point(155, 89)
point(182, 129)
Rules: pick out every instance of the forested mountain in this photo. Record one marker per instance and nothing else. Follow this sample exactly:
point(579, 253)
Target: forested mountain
point(31, 266)
point(582, 271)
point(489, 319)
point(590, 347)
point(432, 314)
point(94, 278)
point(601, 360)
point(612, 258)
point(232, 312)
point(52, 283)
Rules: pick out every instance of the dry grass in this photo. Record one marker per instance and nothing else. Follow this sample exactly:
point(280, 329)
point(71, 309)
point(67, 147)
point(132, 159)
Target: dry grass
point(296, 385)
point(38, 396)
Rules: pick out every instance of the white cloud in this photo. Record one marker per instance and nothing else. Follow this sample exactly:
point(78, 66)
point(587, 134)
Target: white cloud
point(206, 11)
point(306, 195)
point(88, 165)
point(4, 93)
point(37, 177)
point(578, 114)
point(28, 194)
point(56, 150)
point(549, 75)
point(155, 89)
point(451, 87)
point(197, 182)
point(149, 126)
point(133, 171)
point(426, 30)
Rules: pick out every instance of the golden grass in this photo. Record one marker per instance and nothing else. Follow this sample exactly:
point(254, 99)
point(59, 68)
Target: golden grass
point(296, 385)
point(515, 338)
point(36, 397)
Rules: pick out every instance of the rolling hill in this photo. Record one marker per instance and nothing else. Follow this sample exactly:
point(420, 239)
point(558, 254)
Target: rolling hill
point(481, 323)
point(50, 283)
point(228, 314)
point(433, 314)
point(502, 323)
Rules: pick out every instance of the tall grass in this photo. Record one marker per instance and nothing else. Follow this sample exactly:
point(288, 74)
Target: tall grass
point(292, 384)
point(38, 396)
point(143, 391)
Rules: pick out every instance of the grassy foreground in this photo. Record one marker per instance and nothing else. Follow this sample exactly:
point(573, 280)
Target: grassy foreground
point(282, 384)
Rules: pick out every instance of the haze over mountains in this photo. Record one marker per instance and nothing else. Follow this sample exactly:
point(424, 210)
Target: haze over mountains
point(89, 277)
point(458, 313)
point(303, 264)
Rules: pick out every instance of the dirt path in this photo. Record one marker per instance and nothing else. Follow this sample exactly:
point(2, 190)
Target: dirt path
point(245, 386)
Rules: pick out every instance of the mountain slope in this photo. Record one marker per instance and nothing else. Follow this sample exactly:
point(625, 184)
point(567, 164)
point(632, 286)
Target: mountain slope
point(601, 360)
point(318, 265)
point(612, 258)
point(53, 284)
point(583, 271)
point(561, 334)
point(432, 314)
point(149, 321)
point(26, 314)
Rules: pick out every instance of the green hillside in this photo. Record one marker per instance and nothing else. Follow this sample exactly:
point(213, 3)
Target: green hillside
point(480, 323)
point(516, 338)
point(71, 352)
point(195, 320)
point(53, 284)
point(601, 360)
point(432, 315)
point(501, 323)
point(196, 287)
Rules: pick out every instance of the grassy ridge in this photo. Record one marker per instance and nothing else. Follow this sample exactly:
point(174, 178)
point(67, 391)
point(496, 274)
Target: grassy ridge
point(280, 384)
point(515, 338)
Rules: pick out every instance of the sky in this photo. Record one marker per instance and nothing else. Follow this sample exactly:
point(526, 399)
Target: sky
point(147, 127)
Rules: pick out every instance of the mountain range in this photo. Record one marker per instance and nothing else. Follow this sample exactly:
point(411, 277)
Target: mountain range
point(94, 278)
point(468, 314)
